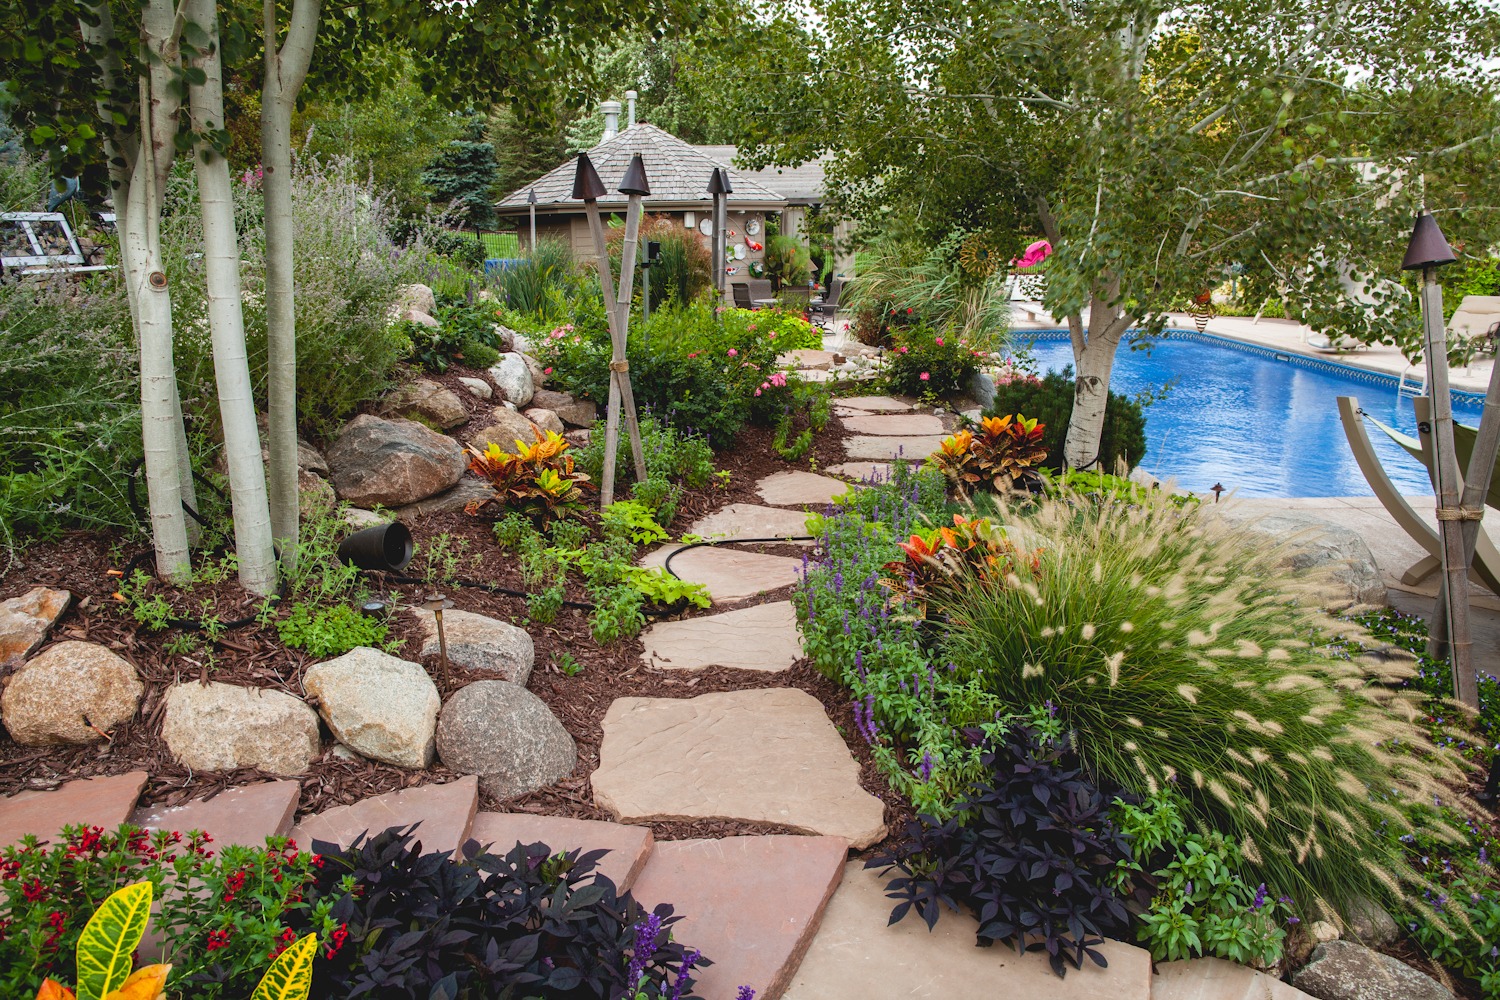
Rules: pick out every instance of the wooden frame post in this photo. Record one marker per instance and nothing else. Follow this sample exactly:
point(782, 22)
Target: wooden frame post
point(587, 187)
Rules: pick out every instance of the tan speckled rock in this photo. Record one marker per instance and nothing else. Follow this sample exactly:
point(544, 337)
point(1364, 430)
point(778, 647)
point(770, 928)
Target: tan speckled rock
point(25, 620)
point(220, 727)
point(56, 694)
point(378, 705)
point(763, 756)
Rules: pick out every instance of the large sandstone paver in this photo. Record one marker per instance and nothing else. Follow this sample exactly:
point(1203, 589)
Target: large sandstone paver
point(729, 574)
point(762, 756)
point(751, 904)
point(806, 358)
point(894, 424)
point(856, 956)
point(1216, 979)
point(105, 802)
point(883, 449)
point(763, 637)
point(799, 489)
point(445, 812)
point(748, 520)
point(863, 471)
point(245, 816)
point(629, 847)
point(874, 404)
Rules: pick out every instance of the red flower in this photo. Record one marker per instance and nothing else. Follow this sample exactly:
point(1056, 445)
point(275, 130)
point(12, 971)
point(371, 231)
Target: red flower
point(34, 891)
point(217, 940)
point(338, 937)
point(908, 310)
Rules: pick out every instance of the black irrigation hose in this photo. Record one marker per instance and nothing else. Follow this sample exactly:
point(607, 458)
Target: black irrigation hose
point(667, 563)
point(490, 588)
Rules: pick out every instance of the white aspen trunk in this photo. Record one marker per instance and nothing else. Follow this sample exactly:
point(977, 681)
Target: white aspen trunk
point(1094, 360)
point(286, 69)
point(161, 421)
point(221, 256)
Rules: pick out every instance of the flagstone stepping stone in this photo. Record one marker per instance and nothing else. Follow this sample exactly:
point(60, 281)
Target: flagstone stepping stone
point(895, 424)
point(799, 489)
point(874, 404)
point(730, 574)
point(444, 812)
point(26, 620)
point(747, 520)
point(1216, 979)
point(764, 637)
point(105, 802)
point(629, 846)
point(480, 643)
point(862, 471)
point(911, 449)
point(856, 955)
point(764, 756)
point(751, 904)
point(245, 816)
point(806, 358)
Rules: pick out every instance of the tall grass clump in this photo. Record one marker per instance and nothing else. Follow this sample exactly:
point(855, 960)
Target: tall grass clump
point(540, 283)
point(1170, 646)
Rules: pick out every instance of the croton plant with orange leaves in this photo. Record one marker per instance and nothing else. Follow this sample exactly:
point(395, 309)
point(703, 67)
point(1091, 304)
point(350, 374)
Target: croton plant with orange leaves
point(943, 558)
point(539, 480)
point(1000, 455)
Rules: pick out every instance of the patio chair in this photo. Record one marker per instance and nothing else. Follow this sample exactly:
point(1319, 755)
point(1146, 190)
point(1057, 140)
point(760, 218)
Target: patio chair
point(1472, 329)
point(1486, 566)
point(741, 292)
point(824, 311)
point(760, 291)
point(795, 297)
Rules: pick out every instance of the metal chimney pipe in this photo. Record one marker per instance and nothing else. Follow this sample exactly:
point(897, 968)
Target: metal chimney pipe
point(611, 111)
point(630, 97)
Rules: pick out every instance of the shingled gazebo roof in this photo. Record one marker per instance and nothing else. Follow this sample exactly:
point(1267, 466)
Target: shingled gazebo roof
point(678, 174)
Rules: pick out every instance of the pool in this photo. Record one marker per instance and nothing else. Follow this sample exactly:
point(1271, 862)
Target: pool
point(1262, 423)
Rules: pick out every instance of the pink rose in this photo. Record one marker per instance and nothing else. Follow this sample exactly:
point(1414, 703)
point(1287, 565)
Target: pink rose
point(546, 371)
point(769, 336)
point(940, 341)
point(757, 392)
point(733, 353)
point(924, 376)
point(902, 349)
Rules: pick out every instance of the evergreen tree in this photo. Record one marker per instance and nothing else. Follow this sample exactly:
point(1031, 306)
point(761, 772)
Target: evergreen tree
point(465, 173)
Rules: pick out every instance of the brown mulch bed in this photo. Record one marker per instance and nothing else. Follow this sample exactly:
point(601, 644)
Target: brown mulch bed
point(252, 655)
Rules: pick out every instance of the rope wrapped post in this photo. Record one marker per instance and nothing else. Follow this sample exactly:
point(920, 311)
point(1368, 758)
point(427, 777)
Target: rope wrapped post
point(1427, 251)
point(587, 187)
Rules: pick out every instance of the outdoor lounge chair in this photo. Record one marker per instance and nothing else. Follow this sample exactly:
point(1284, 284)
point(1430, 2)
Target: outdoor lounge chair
point(824, 311)
point(795, 297)
point(760, 291)
point(741, 292)
point(1486, 566)
point(1470, 329)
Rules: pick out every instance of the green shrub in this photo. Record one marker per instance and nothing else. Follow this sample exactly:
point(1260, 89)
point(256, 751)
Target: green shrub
point(684, 270)
point(329, 631)
point(540, 283)
point(1167, 642)
point(467, 336)
point(928, 364)
point(1050, 400)
point(671, 456)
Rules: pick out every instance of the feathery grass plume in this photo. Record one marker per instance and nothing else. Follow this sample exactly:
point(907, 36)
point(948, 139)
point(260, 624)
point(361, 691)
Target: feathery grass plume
point(1279, 739)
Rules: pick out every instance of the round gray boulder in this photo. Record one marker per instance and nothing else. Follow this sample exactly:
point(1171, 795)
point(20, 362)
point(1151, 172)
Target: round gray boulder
point(480, 643)
point(1343, 970)
point(1338, 556)
point(506, 735)
point(513, 376)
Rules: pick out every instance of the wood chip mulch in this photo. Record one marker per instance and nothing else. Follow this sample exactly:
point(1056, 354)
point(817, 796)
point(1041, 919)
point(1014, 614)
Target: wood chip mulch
point(252, 655)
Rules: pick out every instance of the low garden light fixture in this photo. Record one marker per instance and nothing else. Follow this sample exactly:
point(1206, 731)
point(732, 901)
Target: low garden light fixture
point(531, 204)
point(437, 604)
point(1216, 489)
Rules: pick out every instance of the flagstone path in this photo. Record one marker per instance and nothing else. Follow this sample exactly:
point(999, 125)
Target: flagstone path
point(784, 915)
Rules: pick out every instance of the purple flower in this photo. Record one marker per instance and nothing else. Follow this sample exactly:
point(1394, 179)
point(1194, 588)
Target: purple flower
point(925, 771)
point(745, 993)
point(646, 933)
point(1260, 897)
point(684, 974)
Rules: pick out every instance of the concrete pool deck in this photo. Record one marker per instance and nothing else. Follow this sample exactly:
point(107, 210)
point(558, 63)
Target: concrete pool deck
point(1287, 337)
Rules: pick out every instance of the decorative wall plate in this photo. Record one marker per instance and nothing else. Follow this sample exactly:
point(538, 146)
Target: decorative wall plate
point(753, 227)
point(739, 251)
point(706, 227)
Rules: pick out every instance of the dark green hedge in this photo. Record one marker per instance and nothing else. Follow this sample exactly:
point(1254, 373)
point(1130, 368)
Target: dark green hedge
point(1050, 400)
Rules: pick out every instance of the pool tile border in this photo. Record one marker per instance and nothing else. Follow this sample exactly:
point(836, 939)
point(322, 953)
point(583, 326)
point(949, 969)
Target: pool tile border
point(1288, 357)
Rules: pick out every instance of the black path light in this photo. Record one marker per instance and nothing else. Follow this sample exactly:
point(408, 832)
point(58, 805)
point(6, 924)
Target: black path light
point(588, 188)
point(720, 188)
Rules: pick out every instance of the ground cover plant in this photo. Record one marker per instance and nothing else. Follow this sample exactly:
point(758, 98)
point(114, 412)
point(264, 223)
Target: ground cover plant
point(930, 365)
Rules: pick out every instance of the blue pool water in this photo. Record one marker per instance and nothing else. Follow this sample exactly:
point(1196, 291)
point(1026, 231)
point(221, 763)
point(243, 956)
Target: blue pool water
point(1259, 425)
